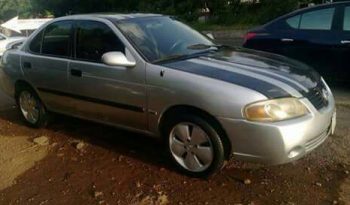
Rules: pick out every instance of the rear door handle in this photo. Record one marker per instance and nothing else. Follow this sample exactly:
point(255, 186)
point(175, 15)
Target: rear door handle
point(345, 42)
point(27, 65)
point(75, 72)
point(287, 40)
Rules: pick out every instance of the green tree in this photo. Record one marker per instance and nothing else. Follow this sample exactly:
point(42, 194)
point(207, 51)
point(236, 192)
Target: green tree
point(10, 9)
point(221, 11)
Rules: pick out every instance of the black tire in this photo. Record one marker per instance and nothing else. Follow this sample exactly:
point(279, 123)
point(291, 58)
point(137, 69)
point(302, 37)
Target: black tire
point(213, 134)
point(43, 116)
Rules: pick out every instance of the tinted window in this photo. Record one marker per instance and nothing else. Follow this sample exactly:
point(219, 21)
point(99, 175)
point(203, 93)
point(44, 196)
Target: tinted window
point(57, 39)
point(35, 45)
point(317, 20)
point(294, 21)
point(95, 39)
point(347, 19)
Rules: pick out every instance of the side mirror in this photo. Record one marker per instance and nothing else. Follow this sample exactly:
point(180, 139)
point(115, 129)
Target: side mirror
point(116, 58)
point(210, 35)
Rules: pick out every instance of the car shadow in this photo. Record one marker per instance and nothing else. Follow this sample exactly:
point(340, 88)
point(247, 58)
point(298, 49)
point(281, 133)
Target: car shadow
point(138, 146)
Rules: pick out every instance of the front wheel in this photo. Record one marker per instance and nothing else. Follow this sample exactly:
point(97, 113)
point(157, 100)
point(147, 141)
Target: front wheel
point(31, 107)
point(194, 146)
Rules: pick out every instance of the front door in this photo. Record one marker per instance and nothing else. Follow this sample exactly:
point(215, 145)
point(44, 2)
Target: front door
point(111, 94)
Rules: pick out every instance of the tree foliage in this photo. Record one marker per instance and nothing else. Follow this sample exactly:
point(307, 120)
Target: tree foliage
point(12, 8)
point(221, 11)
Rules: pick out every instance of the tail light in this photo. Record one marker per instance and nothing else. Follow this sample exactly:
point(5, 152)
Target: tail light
point(249, 36)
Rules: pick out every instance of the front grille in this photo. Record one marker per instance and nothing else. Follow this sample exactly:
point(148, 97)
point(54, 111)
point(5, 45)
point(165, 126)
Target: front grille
point(318, 96)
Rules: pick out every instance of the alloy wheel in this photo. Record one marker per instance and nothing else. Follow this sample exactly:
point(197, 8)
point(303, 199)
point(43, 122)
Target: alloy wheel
point(191, 147)
point(29, 107)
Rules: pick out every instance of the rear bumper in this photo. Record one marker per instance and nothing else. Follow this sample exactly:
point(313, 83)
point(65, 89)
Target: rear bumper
point(280, 142)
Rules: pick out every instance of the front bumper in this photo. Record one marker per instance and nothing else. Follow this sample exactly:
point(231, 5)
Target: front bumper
point(280, 142)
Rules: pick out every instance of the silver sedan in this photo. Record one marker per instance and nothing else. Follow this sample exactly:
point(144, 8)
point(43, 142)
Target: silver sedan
point(155, 75)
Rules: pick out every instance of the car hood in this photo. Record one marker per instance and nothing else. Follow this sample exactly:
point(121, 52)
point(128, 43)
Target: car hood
point(270, 74)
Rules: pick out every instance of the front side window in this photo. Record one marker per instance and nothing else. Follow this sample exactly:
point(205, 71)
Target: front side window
point(317, 20)
point(346, 26)
point(95, 39)
point(57, 39)
point(35, 45)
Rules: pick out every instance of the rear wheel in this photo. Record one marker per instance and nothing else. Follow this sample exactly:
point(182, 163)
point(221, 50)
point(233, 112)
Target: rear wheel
point(194, 146)
point(31, 107)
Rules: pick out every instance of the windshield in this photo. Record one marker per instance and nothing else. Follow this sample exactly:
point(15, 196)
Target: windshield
point(160, 38)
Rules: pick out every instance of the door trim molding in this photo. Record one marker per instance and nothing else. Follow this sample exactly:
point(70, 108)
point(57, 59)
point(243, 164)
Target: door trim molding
point(94, 100)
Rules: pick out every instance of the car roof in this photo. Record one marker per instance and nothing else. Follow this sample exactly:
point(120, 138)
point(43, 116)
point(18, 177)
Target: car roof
point(114, 16)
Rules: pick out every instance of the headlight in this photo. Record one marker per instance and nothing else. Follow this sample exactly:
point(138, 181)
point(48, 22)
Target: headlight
point(275, 110)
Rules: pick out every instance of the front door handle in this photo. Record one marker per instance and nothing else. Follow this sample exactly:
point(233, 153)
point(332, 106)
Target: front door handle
point(287, 40)
point(345, 42)
point(75, 72)
point(27, 65)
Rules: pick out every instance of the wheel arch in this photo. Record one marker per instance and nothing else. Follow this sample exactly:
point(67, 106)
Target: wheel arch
point(20, 84)
point(43, 117)
point(186, 109)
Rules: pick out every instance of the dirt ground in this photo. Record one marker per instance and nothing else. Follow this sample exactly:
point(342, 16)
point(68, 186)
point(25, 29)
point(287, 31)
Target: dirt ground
point(88, 163)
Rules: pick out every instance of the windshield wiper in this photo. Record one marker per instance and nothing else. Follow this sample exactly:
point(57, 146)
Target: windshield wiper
point(186, 56)
point(179, 57)
point(170, 58)
point(201, 46)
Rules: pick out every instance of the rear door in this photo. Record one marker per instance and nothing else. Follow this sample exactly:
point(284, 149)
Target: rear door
point(289, 39)
point(319, 37)
point(308, 36)
point(45, 65)
point(280, 36)
point(112, 94)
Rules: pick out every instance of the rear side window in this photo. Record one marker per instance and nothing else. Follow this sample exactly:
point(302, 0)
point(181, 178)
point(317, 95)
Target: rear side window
point(346, 26)
point(35, 45)
point(57, 39)
point(95, 39)
point(317, 20)
point(294, 21)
